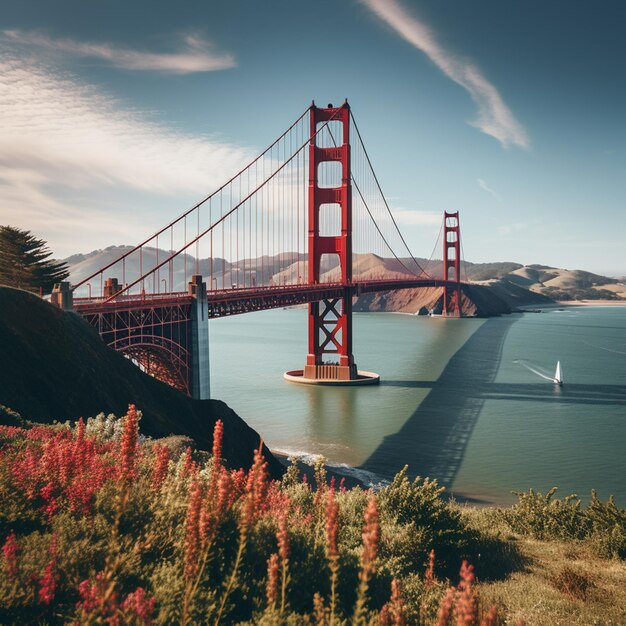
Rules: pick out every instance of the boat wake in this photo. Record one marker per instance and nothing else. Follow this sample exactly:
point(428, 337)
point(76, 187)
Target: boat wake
point(535, 370)
point(602, 348)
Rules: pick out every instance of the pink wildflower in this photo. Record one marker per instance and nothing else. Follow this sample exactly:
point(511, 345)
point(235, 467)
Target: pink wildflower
point(11, 551)
point(140, 605)
point(128, 445)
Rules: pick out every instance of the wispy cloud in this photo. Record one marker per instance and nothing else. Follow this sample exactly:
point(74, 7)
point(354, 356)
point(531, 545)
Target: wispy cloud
point(79, 167)
point(194, 54)
point(485, 187)
point(494, 117)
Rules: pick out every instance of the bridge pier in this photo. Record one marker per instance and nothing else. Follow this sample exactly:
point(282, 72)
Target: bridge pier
point(62, 296)
point(199, 340)
point(330, 321)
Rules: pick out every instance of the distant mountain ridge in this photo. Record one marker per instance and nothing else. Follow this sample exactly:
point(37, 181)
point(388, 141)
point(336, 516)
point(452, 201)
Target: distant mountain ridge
point(511, 282)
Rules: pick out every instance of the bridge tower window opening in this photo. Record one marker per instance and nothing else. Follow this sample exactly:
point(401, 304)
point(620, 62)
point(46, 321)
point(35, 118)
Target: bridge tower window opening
point(329, 135)
point(330, 220)
point(329, 174)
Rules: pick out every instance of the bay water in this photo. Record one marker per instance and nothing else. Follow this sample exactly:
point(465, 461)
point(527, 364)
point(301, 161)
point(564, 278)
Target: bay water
point(469, 402)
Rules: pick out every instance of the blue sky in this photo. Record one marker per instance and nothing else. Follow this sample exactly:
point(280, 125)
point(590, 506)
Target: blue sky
point(116, 116)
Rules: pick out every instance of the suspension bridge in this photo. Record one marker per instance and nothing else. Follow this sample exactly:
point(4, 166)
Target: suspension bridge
point(298, 225)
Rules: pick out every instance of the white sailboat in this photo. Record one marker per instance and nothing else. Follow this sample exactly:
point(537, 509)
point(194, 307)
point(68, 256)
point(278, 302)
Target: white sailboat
point(558, 375)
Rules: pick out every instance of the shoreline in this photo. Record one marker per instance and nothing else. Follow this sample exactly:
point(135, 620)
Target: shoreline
point(599, 303)
point(347, 473)
point(559, 304)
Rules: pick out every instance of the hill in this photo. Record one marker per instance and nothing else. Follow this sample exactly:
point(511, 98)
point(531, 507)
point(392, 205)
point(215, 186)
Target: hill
point(499, 287)
point(56, 367)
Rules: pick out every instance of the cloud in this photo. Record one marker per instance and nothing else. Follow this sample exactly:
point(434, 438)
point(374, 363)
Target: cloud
point(194, 55)
point(485, 187)
point(78, 166)
point(494, 117)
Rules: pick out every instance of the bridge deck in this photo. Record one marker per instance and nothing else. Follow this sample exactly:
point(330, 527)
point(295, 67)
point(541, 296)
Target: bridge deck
point(236, 301)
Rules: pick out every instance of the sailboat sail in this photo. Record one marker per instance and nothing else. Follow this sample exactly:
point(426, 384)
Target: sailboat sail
point(558, 375)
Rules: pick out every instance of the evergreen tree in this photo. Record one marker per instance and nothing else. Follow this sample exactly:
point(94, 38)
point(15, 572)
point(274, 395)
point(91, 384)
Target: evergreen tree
point(25, 261)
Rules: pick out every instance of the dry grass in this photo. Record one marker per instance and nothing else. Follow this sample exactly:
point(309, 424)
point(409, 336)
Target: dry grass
point(560, 583)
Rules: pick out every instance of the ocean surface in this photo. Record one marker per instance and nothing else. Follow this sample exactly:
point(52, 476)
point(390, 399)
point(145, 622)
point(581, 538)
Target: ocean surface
point(469, 402)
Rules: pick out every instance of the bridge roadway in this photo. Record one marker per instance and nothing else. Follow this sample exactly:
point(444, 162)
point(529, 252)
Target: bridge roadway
point(245, 300)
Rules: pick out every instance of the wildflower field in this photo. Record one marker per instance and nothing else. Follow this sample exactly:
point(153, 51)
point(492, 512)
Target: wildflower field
point(99, 525)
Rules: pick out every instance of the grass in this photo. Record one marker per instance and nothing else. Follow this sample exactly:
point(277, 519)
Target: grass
point(100, 525)
point(555, 581)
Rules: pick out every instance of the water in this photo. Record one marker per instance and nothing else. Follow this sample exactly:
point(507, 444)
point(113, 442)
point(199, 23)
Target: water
point(465, 401)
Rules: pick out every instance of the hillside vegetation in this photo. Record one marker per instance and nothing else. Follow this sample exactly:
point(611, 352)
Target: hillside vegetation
point(56, 367)
point(102, 526)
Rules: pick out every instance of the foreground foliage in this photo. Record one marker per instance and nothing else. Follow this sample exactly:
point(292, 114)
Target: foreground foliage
point(99, 526)
point(600, 524)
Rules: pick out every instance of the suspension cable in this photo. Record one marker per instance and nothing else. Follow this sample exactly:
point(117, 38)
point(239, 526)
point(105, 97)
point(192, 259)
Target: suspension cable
point(225, 215)
point(370, 213)
point(193, 208)
point(422, 271)
point(437, 241)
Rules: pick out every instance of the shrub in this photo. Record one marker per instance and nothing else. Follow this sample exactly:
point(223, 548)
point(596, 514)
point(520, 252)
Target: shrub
point(600, 524)
point(100, 526)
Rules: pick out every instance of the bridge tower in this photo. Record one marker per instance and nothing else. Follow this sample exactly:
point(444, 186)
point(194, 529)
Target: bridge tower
point(451, 265)
point(330, 321)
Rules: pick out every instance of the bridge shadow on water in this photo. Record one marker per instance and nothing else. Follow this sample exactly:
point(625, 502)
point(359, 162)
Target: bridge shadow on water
point(434, 439)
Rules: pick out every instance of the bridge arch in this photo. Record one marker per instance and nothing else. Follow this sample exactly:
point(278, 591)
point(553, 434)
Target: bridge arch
point(160, 357)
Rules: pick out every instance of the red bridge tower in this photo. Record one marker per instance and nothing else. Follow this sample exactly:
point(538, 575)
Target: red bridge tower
point(451, 262)
point(330, 321)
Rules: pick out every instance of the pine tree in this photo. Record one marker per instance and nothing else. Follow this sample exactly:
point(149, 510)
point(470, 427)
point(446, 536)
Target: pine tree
point(25, 261)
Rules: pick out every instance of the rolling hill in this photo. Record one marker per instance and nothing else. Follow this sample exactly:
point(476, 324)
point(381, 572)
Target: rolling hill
point(497, 287)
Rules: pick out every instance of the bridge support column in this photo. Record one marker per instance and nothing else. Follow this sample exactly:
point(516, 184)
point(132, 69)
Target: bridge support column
point(62, 296)
point(330, 321)
point(199, 340)
point(452, 265)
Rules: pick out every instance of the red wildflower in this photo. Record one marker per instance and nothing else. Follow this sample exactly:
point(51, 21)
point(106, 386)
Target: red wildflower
point(139, 605)
point(11, 552)
point(396, 604)
point(97, 599)
point(80, 438)
point(48, 583)
point(332, 525)
point(256, 488)
point(161, 465)
point(128, 444)
point(218, 435)
point(467, 602)
point(429, 574)
point(283, 538)
point(192, 537)
point(271, 587)
point(445, 608)
point(371, 536)
point(224, 491)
